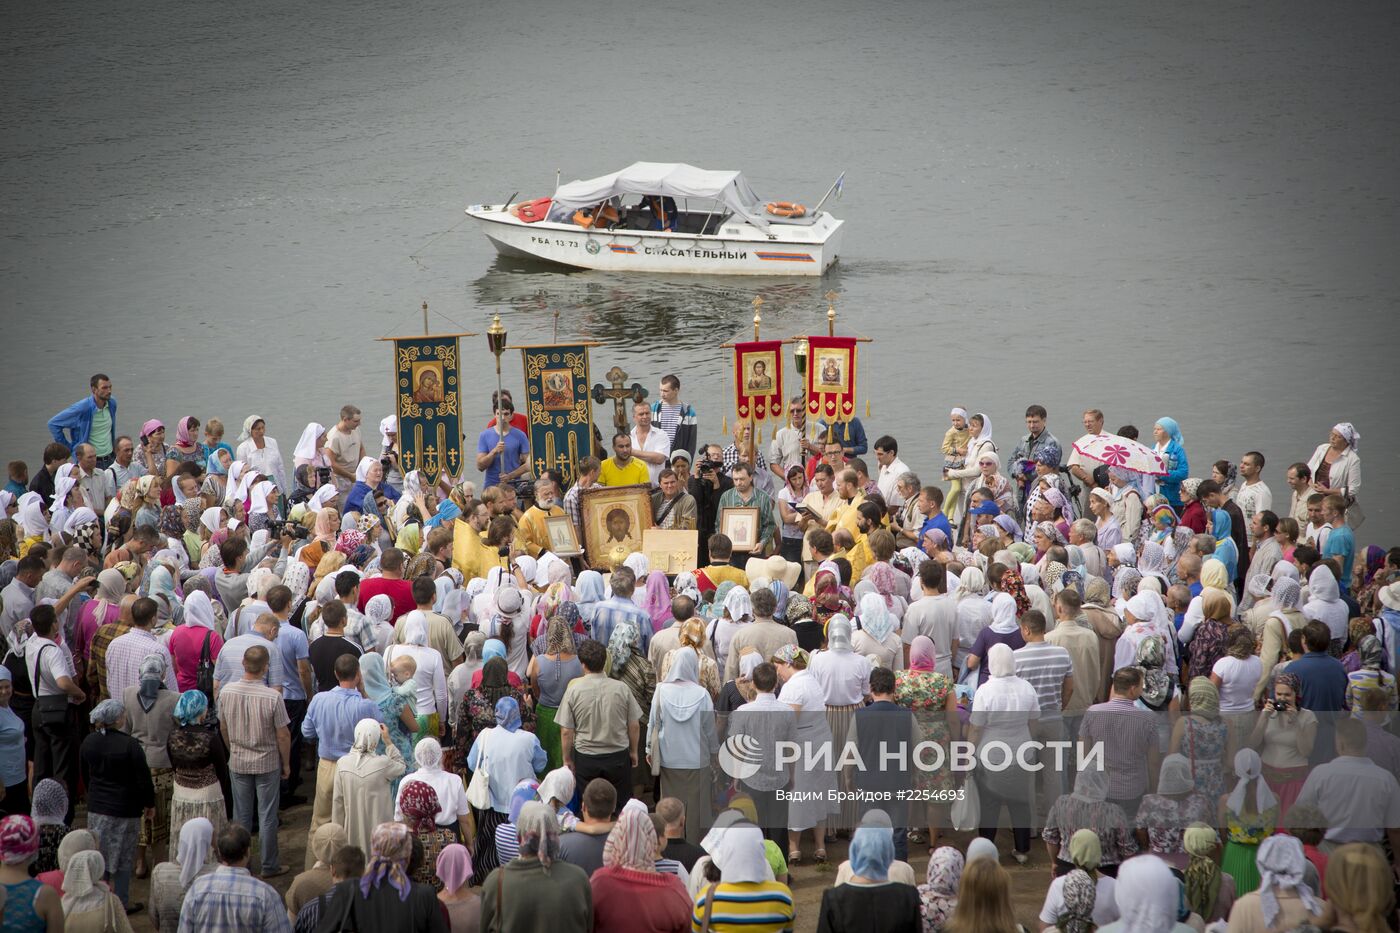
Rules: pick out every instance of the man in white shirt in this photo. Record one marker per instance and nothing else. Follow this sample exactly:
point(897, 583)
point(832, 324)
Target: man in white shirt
point(124, 468)
point(1300, 487)
point(768, 721)
point(51, 671)
point(229, 666)
point(1081, 468)
point(1359, 799)
point(891, 469)
point(935, 616)
point(1253, 495)
point(1315, 531)
point(90, 480)
point(649, 445)
point(792, 444)
point(344, 449)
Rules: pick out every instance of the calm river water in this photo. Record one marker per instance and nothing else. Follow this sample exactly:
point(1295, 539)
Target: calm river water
point(1184, 209)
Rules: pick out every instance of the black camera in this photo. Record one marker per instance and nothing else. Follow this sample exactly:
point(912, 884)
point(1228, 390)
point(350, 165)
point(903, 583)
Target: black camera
point(1278, 706)
point(387, 463)
point(709, 466)
point(292, 529)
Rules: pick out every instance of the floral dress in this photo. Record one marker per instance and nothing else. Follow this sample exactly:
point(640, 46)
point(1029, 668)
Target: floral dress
point(1203, 744)
point(1165, 819)
point(477, 713)
point(926, 693)
point(391, 709)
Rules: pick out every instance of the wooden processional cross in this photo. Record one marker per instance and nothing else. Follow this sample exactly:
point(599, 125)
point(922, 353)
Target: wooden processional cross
point(619, 392)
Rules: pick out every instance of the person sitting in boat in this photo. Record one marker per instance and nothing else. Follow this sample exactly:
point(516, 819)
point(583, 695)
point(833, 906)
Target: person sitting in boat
point(662, 211)
point(604, 215)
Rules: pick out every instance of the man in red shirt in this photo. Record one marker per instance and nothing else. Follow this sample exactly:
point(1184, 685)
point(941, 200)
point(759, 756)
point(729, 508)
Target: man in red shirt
point(391, 583)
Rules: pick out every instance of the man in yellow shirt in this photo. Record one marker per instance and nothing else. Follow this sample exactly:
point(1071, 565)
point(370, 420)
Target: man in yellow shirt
point(470, 555)
point(860, 555)
point(623, 469)
point(848, 488)
point(721, 550)
point(532, 536)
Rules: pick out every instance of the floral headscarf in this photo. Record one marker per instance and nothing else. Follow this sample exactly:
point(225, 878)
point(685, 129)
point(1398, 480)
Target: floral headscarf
point(419, 803)
point(19, 839)
point(349, 541)
point(389, 849)
point(886, 582)
point(790, 653)
point(1011, 584)
point(940, 892)
point(632, 843)
point(625, 637)
point(538, 831)
point(1079, 894)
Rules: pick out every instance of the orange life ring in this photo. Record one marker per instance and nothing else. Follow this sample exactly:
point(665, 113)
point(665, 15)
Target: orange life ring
point(531, 211)
point(786, 209)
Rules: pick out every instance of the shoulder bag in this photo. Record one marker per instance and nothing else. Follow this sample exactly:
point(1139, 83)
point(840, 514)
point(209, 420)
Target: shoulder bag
point(479, 790)
point(49, 711)
point(204, 671)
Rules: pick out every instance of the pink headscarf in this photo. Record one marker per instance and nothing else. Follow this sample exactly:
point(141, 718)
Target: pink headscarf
point(454, 866)
point(922, 654)
point(19, 839)
point(183, 437)
point(151, 427)
point(882, 576)
point(656, 601)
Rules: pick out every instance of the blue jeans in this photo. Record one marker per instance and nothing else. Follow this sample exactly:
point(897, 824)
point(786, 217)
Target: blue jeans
point(260, 792)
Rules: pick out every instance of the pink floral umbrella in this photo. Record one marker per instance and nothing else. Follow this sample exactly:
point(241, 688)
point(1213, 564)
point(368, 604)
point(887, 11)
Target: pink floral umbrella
point(1116, 451)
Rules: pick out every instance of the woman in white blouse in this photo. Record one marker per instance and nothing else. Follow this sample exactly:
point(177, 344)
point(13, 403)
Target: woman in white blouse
point(1336, 467)
point(1235, 676)
point(1002, 709)
point(261, 453)
point(813, 787)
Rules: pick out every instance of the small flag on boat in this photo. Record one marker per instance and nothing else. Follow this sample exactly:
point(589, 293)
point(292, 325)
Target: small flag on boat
point(840, 184)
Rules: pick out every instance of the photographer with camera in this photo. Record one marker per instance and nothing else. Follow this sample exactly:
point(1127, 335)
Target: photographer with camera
point(1284, 735)
point(706, 486)
point(389, 452)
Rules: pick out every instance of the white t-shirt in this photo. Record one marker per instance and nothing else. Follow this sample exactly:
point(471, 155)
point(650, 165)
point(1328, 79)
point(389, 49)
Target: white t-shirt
point(1238, 678)
point(936, 618)
point(844, 676)
point(1253, 499)
point(657, 443)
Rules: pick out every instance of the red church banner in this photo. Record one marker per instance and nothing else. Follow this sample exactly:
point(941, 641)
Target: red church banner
point(831, 378)
point(758, 380)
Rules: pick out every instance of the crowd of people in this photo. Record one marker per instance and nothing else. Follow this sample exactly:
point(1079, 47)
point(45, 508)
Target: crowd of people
point(201, 635)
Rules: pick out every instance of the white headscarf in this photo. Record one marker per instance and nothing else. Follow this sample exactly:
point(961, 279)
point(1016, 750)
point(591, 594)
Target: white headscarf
point(875, 618)
point(306, 448)
point(415, 628)
point(83, 890)
point(637, 563)
point(380, 608)
point(428, 754)
point(200, 611)
point(31, 515)
point(1281, 865)
point(1001, 661)
point(1004, 614)
point(388, 430)
point(1249, 768)
point(80, 516)
point(212, 518)
point(1148, 895)
point(247, 431)
point(195, 837)
point(1325, 602)
point(367, 737)
point(259, 495)
point(986, 426)
point(740, 856)
point(320, 497)
point(1125, 554)
point(1348, 433)
point(362, 470)
point(738, 605)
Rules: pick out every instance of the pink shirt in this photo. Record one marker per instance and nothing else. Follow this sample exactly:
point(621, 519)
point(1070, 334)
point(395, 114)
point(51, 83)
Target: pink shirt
point(186, 642)
point(89, 623)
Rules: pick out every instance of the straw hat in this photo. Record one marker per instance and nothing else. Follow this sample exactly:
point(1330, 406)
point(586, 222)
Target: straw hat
point(773, 568)
point(1390, 596)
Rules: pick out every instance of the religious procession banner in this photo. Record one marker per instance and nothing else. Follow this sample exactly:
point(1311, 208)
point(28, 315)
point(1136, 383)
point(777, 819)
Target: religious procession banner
point(758, 380)
point(430, 422)
point(558, 407)
point(831, 378)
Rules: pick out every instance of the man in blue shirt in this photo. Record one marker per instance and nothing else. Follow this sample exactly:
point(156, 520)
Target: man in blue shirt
point(91, 420)
point(931, 508)
point(851, 434)
point(503, 457)
point(610, 612)
point(330, 722)
point(296, 682)
point(1340, 540)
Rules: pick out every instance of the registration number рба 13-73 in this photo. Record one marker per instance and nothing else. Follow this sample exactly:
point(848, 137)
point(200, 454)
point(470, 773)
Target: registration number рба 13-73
point(547, 241)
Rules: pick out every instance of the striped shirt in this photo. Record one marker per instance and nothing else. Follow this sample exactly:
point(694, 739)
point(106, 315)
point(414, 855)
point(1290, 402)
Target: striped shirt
point(230, 900)
point(750, 907)
point(124, 657)
point(1045, 666)
point(252, 713)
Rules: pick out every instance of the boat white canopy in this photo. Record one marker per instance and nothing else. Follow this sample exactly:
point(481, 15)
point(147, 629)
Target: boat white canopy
point(674, 179)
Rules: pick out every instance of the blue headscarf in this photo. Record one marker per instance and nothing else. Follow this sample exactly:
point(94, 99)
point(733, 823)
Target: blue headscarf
point(508, 714)
point(987, 508)
point(1225, 549)
point(781, 591)
point(494, 648)
point(447, 512)
point(1173, 431)
point(375, 677)
point(191, 705)
point(871, 852)
point(588, 592)
point(525, 791)
point(213, 465)
point(1178, 467)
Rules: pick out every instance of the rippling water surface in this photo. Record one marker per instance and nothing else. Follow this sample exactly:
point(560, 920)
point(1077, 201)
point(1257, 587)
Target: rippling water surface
point(1184, 209)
